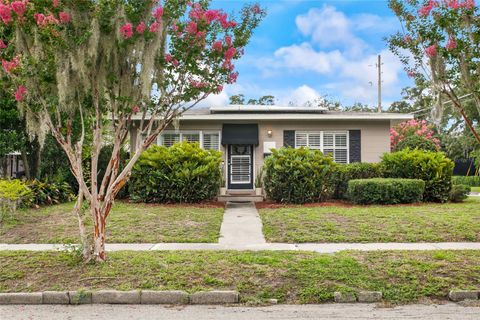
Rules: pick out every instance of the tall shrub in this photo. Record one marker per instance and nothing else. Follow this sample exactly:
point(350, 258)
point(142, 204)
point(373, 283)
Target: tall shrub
point(299, 176)
point(183, 173)
point(352, 171)
point(432, 167)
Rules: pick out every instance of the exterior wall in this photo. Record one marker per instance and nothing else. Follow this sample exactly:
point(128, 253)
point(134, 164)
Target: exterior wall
point(375, 135)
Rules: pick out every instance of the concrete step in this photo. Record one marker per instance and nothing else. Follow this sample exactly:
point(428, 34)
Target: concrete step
point(240, 198)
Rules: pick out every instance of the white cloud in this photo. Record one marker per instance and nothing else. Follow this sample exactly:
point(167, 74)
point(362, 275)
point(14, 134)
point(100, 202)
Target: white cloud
point(336, 50)
point(220, 99)
point(299, 96)
point(305, 57)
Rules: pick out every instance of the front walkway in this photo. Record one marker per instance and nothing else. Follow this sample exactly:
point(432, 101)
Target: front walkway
point(241, 230)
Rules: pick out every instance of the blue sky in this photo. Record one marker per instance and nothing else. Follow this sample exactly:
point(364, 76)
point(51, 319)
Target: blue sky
point(310, 48)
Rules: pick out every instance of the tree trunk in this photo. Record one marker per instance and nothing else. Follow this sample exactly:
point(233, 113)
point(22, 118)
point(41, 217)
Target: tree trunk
point(77, 210)
point(26, 165)
point(99, 227)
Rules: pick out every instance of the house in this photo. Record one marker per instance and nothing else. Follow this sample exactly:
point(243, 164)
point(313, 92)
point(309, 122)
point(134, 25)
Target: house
point(12, 166)
point(246, 134)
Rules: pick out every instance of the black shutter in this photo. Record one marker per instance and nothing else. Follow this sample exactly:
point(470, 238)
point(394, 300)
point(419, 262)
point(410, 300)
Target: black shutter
point(289, 138)
point(355, 146)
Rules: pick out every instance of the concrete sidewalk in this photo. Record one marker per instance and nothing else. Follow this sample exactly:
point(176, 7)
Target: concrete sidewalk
point(312, 247)
point(241, 225)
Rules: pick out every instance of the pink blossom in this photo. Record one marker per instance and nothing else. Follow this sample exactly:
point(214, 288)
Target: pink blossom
point(217, 46)
point(256, 9)
point(127, 30)
point(425, 10)
point(407, 39)
point(219, 88)
point(431, 51)
point(141, 27)
point(65, 17)
point(136, 109)
point(230, 53)
point(453, 4)
point(175, 62)
point(411, 74)
point(168, 57)
point(451, 44)
point(19, 7)
point(211, 15)
point(232, 78)
point(20, 93)
point(468, 4)
point(55, 3)
point(2, 45)
point(5, 13)
point(50, 19)
point(158, 13)
point(155, 27)
point(8, 66)
point(191, 27)
point(39, 19)
point(228, 41)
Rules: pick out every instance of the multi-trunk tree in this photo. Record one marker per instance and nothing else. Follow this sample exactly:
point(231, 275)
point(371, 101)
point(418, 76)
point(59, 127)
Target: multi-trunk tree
point(106, 63)
point(440, 47)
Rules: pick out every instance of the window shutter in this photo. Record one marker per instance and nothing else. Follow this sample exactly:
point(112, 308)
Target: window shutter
point(289, 138)
point(211, 141)
point(355, 145)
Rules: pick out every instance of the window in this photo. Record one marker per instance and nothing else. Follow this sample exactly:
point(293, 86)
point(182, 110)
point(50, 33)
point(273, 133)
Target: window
point(207, 140)
point(333, 143)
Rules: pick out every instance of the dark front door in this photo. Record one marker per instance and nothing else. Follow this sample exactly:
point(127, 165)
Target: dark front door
point(240, 166)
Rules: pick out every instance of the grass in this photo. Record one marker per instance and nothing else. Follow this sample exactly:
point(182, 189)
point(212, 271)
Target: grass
point(413, 223)
point(475, 189)
point(291, 277)
point(127, 223)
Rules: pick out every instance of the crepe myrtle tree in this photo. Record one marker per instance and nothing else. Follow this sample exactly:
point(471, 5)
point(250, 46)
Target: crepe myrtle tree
point(105, 62)
point(440, 47)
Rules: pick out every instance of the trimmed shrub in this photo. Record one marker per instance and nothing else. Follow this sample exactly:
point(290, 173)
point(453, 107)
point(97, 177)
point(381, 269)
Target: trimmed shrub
point(12, 194)
point(183, 173)
point(354, 171)
point(385, 191)
point(472, 181)
point(459, 192)
point(48, 193)
point(416, 142)
point(432, 167)
point(299, 176)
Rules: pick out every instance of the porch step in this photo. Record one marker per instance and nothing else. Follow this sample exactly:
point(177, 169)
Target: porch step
point(240, 198)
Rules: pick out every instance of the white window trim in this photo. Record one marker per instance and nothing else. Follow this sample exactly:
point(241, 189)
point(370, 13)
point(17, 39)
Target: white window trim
point(322, 147)
point(199, 132)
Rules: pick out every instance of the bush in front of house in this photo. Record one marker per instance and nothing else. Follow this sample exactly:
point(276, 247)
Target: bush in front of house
point(432, 167)
point(354, 171)
point(12, 195)
point(299, 176)
point(48, 193)
point(472, 181)
point(459, 192)
point(183, 173)
point(385, 191)
point(416, 142)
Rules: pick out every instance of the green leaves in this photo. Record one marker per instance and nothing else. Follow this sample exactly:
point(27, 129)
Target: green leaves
point(385, 191)
point(183, 173)
point(299, 176)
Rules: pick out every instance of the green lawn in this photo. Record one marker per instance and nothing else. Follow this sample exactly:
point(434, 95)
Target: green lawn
point(127, 223)
point(291, 277)
point(412, 223)
point(475, 189)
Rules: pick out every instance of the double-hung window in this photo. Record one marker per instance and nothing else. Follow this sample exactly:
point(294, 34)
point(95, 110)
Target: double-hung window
point(333, 143)
point(209, 140)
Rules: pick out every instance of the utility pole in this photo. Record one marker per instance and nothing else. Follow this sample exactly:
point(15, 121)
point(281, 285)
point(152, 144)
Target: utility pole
point(379, 67)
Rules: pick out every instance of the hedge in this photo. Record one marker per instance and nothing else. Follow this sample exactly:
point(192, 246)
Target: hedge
point(299, 176)
point(432, 167)
point(416, 142)
point(472, 181)
point(354, 171)
point(385, 191)
point(459, 192)
point(183, 173)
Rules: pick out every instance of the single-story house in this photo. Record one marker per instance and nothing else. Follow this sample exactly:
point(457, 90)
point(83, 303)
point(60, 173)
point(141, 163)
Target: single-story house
point(246, 134)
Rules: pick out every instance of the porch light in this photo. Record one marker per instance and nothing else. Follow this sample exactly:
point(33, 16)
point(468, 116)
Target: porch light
point(270, 133)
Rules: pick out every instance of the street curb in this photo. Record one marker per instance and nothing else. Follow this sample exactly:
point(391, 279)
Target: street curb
point(214, 297)
point(164, 297)
point(461, 295)
point(174, 297)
